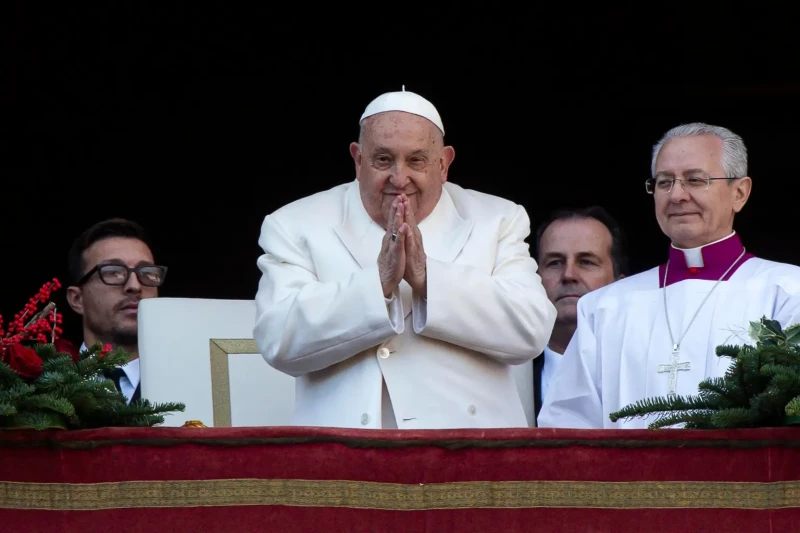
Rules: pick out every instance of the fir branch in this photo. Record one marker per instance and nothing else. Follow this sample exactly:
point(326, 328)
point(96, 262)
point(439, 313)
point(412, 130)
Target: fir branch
point(16, 392)
point(781, 376)
point(52, 380)
point(728, 351)
point(793, 407)
point(48, 401)
point(685, 417)
point(718, 391)
point(760, 388)
point(74, 395)
point(37, 420)
point(654, 405)
point(46, 351)
point(737, 417)
point(8, 378)
point(59, 363)
point(141, 413)
point(779, 356)
point(699, 424)
point(768, 408)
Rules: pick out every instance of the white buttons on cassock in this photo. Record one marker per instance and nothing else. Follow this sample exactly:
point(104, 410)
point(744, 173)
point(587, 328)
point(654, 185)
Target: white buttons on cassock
point(364, 419)
point(471, 409)
point(383, 353)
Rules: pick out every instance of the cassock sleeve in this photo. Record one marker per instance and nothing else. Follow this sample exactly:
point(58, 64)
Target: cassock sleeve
point(304, 325)
point(573, 395)
point(504, 314)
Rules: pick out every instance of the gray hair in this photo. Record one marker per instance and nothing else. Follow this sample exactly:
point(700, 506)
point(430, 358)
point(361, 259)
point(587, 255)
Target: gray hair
point(734, 153)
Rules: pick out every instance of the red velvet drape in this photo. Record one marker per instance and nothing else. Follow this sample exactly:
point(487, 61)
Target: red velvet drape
point(321, 479)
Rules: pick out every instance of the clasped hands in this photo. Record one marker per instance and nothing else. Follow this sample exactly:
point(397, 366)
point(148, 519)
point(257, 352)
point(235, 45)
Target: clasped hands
point(402, 256)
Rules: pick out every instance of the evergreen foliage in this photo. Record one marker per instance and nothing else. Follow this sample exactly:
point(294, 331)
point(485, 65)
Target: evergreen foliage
point(71, 392)
point(761, 388)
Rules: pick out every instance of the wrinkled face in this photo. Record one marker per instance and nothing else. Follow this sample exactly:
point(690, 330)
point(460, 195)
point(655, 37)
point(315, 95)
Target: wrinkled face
point(574, 258)
point(693, 217)
point(400, 153)
point(110, 312)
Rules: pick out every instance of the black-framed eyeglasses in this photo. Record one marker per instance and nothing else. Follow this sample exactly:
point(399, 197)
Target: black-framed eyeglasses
point(664, 184)
point(115, 274)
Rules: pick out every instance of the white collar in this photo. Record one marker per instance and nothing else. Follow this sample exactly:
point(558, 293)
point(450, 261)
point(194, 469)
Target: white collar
point(694, 256)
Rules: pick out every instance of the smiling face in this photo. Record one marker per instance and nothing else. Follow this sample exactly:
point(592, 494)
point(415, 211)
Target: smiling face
point(401, 153)
point(696, 217)
point(574, 258)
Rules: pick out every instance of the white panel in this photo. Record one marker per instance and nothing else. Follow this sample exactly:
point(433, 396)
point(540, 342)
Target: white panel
point(174, 335)
point(259, 394)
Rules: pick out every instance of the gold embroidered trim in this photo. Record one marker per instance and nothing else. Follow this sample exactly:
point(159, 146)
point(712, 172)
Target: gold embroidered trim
point(400, 497)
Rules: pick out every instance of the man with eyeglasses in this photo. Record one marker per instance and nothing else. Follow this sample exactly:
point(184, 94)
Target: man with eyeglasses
point(111, 268)
point(655, 334)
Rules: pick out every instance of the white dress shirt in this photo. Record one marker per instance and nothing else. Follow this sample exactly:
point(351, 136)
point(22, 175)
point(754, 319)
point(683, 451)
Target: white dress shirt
point(551, 361)
point(130, 380)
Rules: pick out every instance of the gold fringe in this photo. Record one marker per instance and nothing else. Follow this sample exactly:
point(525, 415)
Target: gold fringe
point(400, 497)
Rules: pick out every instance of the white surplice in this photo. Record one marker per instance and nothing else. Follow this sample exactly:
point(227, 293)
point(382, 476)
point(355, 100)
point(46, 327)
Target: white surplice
point(622, 338)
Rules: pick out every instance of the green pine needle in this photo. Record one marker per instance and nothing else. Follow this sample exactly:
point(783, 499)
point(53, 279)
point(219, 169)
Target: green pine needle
point(73, 395)
point(761, 388)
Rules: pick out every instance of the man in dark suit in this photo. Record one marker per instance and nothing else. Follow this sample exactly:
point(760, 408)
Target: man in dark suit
point(112, 269)
point(578, 250)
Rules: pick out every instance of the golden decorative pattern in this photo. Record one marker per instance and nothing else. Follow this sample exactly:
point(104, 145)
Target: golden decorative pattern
point(193, 424)
point(401, 497)
point(220, 349)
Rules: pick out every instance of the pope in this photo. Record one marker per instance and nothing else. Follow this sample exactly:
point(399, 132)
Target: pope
point(401, 300)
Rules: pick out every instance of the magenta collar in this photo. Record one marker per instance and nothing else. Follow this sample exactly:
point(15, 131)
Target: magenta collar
point(717, 258)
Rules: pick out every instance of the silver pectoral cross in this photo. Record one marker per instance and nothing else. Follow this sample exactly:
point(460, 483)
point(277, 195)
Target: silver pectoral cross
point(673, 368)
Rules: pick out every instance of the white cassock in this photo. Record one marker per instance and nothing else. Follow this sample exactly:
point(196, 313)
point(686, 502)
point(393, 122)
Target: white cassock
point(362, 361)
point(622, 349)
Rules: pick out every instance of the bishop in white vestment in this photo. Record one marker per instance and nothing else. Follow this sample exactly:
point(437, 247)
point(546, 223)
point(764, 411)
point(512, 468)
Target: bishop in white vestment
point(656, 333)
point(622, 351)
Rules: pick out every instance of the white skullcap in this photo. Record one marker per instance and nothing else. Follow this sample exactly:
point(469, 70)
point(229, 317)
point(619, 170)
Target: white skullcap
point(404, 101)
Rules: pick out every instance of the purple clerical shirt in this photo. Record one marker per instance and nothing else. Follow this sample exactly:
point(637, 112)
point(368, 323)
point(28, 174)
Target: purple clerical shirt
point(714, 260)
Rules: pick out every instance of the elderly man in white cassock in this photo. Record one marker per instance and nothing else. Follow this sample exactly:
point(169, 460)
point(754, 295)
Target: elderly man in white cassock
point(655, 333)
point(400, 300)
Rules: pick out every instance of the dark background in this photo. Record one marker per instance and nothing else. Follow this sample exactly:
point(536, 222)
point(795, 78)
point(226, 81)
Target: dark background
point(197, 121)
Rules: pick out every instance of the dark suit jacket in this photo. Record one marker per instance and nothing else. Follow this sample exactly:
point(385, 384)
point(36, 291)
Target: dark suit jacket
point(538, 366)
point(137, 393)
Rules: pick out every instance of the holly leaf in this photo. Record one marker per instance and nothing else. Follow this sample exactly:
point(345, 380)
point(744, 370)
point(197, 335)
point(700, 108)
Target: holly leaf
point(773, 326)
point(767, 331)
point(793, 334)
point(755, 330)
